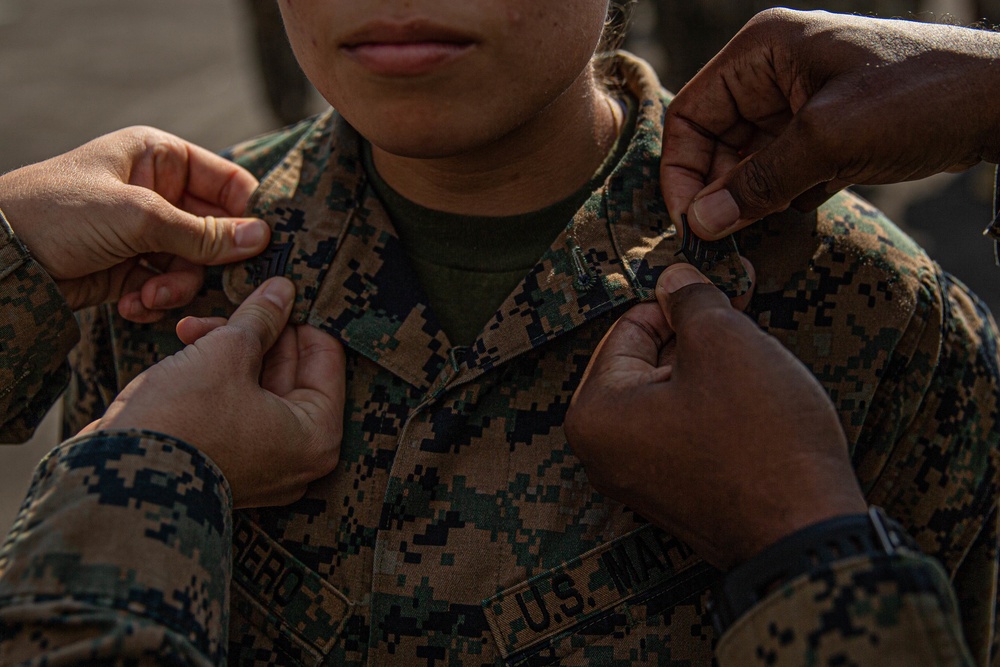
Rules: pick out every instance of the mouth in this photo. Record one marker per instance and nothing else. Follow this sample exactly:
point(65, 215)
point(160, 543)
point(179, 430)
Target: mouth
point(404, 49)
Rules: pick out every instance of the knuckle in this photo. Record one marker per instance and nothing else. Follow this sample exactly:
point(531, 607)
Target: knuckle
point(774, 15)
point(142, 139)
point(170, 142)
point(213, 236)
point(153, 139)
point(265, 320)
point(775, 27)
point(755, 185)
point(774, 18)
point(137, 135)
point(141, 131)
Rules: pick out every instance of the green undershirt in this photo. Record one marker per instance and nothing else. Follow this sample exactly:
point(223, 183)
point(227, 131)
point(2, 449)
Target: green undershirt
point(467, 265)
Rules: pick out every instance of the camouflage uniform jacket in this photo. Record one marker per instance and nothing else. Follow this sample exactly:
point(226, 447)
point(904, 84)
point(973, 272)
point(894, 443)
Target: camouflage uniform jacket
point(460, 529)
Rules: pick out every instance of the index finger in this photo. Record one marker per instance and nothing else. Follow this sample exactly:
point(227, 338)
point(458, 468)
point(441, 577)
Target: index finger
point(681, 289)
point(703, 133)
point(719, 115)
point(633, 344)
point(216, 180)
point(180, 172)
point(707, 327)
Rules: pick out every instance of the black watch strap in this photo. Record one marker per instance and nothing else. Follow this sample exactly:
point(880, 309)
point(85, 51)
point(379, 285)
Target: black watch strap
point(813, 547)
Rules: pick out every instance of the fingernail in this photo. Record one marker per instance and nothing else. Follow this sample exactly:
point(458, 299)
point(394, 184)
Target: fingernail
point(679, 276)
point(250, 234)
point(279, 291)
point(133, 308)
point(161, 298)
point(716, 213)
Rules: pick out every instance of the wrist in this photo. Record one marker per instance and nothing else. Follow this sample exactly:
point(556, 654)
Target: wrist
point(24, 204)
point(872, 534)
point(8, 202)
point(13, 244)
point(836, 494)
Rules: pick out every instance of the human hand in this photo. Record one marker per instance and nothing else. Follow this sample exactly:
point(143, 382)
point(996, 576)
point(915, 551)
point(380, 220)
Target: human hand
point(801, 104)
point(89, 215)
point(264, 402)
point(708, 427)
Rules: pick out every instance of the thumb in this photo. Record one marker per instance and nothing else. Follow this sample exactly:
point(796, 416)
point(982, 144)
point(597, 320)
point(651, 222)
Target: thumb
point(763, 183)
point(634, 342)
point(677, 302)
point(709, 330)
point(199, 239)
point(265, 312)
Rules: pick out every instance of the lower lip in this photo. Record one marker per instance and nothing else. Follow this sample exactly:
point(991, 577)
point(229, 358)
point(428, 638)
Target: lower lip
point(406, 59)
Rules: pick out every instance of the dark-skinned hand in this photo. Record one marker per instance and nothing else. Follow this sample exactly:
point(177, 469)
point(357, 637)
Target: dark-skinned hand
point(708, 427)
point(801, 104)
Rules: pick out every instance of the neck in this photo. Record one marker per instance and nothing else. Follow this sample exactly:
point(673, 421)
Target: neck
point(538, 164)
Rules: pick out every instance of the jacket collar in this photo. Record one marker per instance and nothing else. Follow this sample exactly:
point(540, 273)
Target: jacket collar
point(332, 237)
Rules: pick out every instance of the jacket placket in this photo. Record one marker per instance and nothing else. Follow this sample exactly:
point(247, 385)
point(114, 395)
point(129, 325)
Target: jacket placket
point(455, 518)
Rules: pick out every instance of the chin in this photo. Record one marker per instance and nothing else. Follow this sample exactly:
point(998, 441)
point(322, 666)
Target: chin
point(426, 140)
point(427, 149)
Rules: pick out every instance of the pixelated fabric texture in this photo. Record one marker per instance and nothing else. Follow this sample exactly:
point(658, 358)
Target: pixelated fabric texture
point(120, 553)
point(37, 331)
point(459, 527)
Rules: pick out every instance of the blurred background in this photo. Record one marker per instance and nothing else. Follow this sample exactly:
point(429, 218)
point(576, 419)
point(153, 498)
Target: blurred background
point(219, 71)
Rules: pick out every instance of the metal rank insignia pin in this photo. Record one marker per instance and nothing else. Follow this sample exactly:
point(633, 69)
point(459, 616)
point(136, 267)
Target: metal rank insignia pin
point(701, 254)
point(269, 263)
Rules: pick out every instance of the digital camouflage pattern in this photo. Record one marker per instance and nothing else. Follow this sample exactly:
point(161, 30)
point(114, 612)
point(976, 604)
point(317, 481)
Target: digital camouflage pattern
point(33, 345)
point(460, 529)
point(121, 547)
point(878, 595)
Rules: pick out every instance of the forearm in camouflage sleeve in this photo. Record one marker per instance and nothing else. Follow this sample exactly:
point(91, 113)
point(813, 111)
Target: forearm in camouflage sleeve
point(889, 610)
point(940, 476)
point(37, 332)
point(120, 553)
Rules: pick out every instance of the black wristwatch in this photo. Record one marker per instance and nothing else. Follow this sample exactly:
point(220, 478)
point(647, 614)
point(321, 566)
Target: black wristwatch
point(813, 547)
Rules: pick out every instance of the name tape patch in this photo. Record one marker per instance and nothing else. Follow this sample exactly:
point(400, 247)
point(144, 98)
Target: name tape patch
point(300, 601)
point(575, 594)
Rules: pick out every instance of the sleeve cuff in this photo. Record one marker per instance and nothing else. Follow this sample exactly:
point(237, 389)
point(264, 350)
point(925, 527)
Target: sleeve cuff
point(133, 522)
point(865, 610)
point(805, 550)
point(38, 332)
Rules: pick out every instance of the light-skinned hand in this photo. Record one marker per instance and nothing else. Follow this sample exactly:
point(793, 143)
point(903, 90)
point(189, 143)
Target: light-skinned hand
point(263, 401)
point(88, 216)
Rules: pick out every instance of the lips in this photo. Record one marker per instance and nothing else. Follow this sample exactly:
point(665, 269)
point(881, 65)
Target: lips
point(404, 49)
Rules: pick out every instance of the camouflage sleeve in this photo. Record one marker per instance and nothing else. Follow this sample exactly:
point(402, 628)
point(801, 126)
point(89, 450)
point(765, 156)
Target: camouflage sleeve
point(897, 610)
point(940, 475)
point(120, 555)
point(37, 330)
